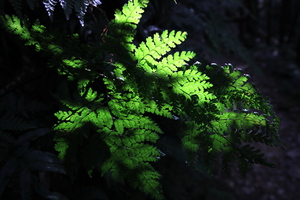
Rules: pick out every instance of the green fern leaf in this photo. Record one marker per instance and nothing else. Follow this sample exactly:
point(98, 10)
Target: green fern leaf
point(149, 52)
point(119, 126)
point(184, 83)
point(148, 183)
point(131, 12)
point(123, 27)
point(61, 146)
point(114, 126)
point(14, 24)
point(173, 62)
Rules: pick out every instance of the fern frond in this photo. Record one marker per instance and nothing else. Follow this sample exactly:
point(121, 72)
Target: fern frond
point(148, 183)
point(173, 62)
point(12, 122)
point(67, 6)
point(50, 7)
point(95, 2)
point(14, 25)
point(123, 27)
point(112, 121)
point(140, 173)
point(159, 109)
point(72, 120)
point(150, 52)
point(31, 4)
point(80, 7)
point(131, 13)
point(159, 45)
point(244, 116)
point(17, 6)
point(190, 83)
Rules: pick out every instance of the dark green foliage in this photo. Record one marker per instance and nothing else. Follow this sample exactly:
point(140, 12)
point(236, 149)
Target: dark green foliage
point(19, 159)
point(16, 113)
point(116, 119)
point(17, 5)
point(20, 156)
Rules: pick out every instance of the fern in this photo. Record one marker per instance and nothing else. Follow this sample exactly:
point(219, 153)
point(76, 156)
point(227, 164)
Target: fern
point(16, 113)
point(80, 7)
point(17, 6)
point(21, 160)
point(110, 125)
point(50, 6)
point(31, 4)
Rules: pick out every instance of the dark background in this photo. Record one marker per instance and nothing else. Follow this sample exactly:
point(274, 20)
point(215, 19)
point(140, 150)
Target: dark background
point(260, 36)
